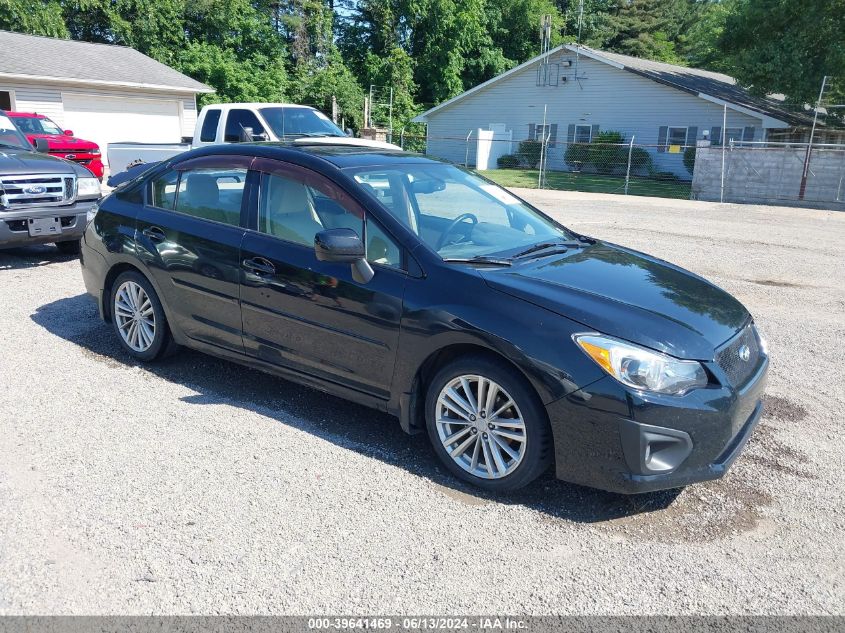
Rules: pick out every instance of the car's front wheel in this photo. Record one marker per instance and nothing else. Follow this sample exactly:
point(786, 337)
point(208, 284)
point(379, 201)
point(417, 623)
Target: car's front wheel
point(487, 424)
point(138, 318)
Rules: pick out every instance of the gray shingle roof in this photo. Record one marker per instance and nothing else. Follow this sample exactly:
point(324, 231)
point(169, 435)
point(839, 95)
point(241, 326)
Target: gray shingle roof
point(695, 81)
point(103, 64)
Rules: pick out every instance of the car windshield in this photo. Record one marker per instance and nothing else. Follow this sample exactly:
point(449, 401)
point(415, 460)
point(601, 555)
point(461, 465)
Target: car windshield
point(457, 213)
point(287, 122)
point(34, 125)
point(10, 136)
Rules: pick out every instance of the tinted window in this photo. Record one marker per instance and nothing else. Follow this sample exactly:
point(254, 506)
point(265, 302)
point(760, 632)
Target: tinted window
point(212, 194)
point(237, 121)
point(381, 248)
point(209, 126)
point(163, 190)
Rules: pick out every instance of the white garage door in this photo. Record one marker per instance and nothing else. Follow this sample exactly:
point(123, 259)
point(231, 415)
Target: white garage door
point(107, 120)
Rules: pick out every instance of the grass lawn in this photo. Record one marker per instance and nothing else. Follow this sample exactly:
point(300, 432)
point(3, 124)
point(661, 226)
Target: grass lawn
point(598, 183)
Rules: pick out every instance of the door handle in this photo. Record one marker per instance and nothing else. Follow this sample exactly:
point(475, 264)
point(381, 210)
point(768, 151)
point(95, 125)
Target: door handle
point(259, 265)
point(154, 233)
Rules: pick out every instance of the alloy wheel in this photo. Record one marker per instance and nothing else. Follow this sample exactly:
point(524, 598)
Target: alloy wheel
point(135, 317)
point(480, 426)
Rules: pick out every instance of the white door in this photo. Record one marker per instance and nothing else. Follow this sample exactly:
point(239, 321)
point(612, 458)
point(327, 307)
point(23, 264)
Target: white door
point(107, 120)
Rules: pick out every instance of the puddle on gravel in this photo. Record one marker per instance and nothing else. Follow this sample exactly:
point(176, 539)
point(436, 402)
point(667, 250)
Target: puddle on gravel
point(775, 283)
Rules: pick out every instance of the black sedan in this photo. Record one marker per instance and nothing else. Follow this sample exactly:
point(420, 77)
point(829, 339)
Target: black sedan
point(421, 289)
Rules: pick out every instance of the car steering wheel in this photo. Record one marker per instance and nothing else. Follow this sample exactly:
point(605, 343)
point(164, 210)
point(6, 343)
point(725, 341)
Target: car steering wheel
point(463, 216)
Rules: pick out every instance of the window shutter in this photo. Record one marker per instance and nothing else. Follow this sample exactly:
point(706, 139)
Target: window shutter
point(531, 129)
point(716, 135)
point(692, 135)
point(748, 133)
point(594, 132)
point(552, 134)
point(570, 133)
point(662, 133)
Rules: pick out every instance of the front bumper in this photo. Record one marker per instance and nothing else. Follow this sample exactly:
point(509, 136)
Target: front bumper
point(620, 440)
point(14, 229)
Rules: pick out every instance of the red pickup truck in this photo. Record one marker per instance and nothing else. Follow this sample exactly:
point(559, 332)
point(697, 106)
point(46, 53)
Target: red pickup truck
point(61, 143)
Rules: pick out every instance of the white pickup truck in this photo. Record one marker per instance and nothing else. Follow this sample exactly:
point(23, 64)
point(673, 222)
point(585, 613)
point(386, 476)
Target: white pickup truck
point(239, 123)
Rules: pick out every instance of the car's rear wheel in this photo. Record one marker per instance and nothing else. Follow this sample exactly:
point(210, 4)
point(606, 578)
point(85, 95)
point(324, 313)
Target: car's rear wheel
point(138, 318)
point(487, 424)
point(69, 248)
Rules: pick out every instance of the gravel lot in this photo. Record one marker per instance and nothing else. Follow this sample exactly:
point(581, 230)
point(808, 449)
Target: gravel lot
point(197, 486)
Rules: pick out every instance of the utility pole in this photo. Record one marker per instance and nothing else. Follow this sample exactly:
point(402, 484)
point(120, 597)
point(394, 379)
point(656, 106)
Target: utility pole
point(803, 189)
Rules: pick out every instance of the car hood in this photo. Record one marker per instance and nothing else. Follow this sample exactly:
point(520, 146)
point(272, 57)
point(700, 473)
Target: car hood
point(22, 161)
point(63, 142)
point(629, 295)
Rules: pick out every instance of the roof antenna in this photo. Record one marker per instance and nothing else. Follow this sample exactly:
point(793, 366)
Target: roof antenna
point(578, 42)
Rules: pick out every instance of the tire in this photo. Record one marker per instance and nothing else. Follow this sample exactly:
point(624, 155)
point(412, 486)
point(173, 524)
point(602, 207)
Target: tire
point(72, 247)
point(519, 462)
point(145, 345)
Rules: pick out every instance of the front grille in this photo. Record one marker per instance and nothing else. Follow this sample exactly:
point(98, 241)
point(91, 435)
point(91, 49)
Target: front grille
point(730, 358)
point(23, 191)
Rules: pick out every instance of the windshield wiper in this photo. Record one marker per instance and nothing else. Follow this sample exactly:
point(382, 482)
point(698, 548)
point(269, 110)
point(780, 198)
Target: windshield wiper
point(480, 259)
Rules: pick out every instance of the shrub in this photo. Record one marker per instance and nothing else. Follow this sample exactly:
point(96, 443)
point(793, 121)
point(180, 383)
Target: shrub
point(576, 155)
point(641, 161)
point(607, 153)
point(529, 152)
point(666, 176)
point(507, 161)
point(689, 159)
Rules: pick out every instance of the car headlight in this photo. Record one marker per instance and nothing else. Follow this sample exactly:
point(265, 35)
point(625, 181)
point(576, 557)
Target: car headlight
point(642, 368)
point(86, 187)
point(95, 152)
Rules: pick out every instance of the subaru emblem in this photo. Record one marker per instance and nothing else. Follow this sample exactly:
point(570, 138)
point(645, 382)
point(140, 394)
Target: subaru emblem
point(36, 189)
point(744, 353)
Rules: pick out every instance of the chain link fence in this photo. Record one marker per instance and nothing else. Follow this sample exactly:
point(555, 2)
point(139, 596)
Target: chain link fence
point(748, 172)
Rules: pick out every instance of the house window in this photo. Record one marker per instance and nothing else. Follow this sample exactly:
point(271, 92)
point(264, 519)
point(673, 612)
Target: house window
point(541, 132)
point(5, 100)
point(677, 136)
point(583, 133)
point(733, 134)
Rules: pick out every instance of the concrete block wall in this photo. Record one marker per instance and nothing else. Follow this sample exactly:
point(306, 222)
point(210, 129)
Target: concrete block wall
point(770, 175)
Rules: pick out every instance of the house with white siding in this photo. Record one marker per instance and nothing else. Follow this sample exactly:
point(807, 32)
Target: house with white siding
point(101, 92)
point(572, 93)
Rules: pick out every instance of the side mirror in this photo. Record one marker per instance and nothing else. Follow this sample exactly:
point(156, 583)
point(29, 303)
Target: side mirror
point(41, 145)
point(68, 132)
point(349, 132)
point(343, 246)
point(246, 134)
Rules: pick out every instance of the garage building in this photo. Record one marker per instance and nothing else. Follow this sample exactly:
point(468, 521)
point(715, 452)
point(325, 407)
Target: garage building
point(101, 92)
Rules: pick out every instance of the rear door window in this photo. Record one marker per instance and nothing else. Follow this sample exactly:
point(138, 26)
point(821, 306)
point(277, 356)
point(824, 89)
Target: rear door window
point(212, 194)
point(163, 190)
point(209, 126)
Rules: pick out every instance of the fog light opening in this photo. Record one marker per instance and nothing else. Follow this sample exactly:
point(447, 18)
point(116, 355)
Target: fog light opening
point(653, 450)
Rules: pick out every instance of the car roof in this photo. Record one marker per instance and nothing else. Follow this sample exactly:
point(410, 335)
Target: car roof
point(255, 105)
point(340, 156)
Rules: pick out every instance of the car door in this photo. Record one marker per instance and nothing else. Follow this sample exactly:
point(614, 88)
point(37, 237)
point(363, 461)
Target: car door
point(189, 237)
point(309, 315)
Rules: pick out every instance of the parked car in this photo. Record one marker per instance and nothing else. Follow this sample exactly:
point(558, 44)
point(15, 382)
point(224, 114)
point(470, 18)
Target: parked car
point(60, 143)
point(42, 198)
point(242, 122)
point(421, 289)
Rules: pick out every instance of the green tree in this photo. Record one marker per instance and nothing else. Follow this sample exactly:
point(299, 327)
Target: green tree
point(36, 17)
point(786, 46)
